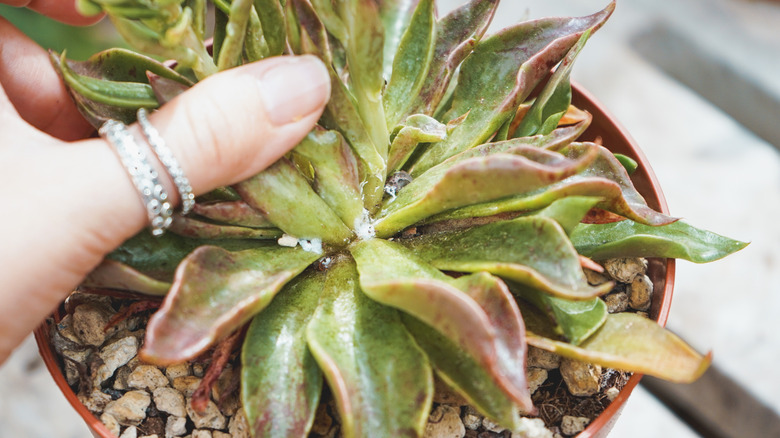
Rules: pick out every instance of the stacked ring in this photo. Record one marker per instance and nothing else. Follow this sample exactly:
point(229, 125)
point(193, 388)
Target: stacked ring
point(145, 179)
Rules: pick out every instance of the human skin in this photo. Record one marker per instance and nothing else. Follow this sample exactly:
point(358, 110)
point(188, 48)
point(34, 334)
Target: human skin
point(66, 199)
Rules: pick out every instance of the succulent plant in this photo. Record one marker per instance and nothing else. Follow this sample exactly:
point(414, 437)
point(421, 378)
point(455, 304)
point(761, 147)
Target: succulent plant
point(431, 223)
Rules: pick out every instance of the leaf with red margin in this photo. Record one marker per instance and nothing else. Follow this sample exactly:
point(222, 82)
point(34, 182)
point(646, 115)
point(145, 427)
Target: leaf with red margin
point(111, 274)
point(534, 251)
point(280, 380)
point(234, 213)
point(458, 183)
point(476, 312)
point(633, 343)
point(214, 292)
point(188, 227)
point(381, 380)
point(500, 74)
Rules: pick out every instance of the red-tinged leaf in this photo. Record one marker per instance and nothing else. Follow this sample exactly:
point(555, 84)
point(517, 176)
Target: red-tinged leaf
point(237, 213)
point(219, 359)
point(396, 16)
point(335, 176)
point(532, 250)
point(476, 312)
point(281, 382)
point(188, 227)
point(165, 89)
point(500, 74)
point(111, 274)
point(415, 130)
point(283, 196)
point(456, 36)
point(382, 382)
point(203, 307)
point(410, 65)
point(475, 180)
point(633, 343)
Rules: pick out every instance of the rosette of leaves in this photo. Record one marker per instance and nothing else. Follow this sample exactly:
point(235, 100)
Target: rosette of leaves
point(431, 222)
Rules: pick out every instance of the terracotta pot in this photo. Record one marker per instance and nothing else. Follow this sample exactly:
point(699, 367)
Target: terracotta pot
point(661, 271)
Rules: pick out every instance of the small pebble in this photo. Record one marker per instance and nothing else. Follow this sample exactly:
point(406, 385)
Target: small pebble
point(179, 370)
point(611, 393)
point(201, 433)
point(198, 370)
point(582, 379)
point(471, 418)
point(536, 377)
point(186, 385)
point(539, 358)
point(170, 400)
point(130, 410)
point(573, 425)
point(89, 323)
point(595, 278)
point(239, 427)
point(625, 270)
point(175, 426)
point(492, 426)
point(219, 434)
point(130, 432)
point(150, 436)
point(444, 422)
point(96, 401)
point(640, 293)
point(211, 418)
point(111, 424)
point(616, 302)
point(147, 377)
point(532, 428)
point(115, 355)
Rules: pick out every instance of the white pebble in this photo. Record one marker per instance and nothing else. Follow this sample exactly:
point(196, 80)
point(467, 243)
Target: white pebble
point(640, 293)
point(582, 379)
point(115, 355)
point(211, 418)
point(532, 428)
point(625, 270)
point(147, 377)
point(572, 425)
point(169, 400)
point(175, 426)
point(444, 422)
point(130, 409)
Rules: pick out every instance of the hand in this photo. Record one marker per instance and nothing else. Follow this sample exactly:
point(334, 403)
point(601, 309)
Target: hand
point(66, 205)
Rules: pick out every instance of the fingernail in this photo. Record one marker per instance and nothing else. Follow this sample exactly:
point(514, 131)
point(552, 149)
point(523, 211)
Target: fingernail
point(294, 87)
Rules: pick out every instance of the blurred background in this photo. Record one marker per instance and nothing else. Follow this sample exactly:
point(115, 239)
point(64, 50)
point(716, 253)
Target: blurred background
point(697, 83)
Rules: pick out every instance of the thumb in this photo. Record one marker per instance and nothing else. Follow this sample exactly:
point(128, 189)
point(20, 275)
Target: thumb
point(235, 124)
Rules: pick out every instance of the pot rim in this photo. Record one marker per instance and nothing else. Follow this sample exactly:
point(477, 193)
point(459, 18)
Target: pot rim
point(604, 124)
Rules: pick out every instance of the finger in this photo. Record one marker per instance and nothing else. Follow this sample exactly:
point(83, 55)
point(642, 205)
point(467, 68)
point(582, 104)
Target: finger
point(234, 124)
point(35, 89)
point(62, 10)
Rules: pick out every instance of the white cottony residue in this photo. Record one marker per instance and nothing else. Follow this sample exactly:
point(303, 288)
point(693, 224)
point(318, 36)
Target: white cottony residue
point(311, 245)
point(364, 229)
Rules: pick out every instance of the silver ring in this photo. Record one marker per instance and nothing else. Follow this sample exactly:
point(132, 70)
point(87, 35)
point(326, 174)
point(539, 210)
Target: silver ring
point(143, 175)
point(166, 157)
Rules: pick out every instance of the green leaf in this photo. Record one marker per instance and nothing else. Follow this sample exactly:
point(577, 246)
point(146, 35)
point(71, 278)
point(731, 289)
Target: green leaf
point(554, 99)
point(234, 213)
point(533, 251)
point(280, 380)
point(382, 382)
point(604, 178)
point(274, 28)
point(330, 19)
point(203, 307)
point(630, 239)
point(282, 194)
point(336, 178)
point(476, 312)
point(125, 66)
point(111, 274)
point(500, 74)
point(456, 36)
point(574, 320)
point(416, 129)
point(568, 211)
point(396, 16)
point(474, 180)
point(188, 227)
point(628, 163)
point(410, 65)
point(464, 374)
point(235, 32)
point(157, 257)
point(633, 343)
